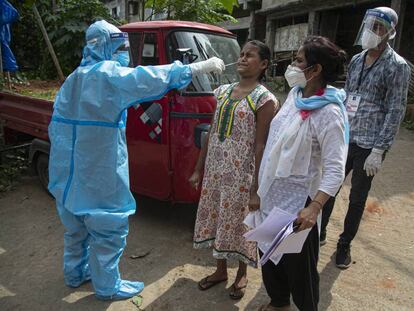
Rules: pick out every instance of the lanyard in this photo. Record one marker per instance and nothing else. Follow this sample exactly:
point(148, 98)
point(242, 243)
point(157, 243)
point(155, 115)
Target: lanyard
point(361, 75)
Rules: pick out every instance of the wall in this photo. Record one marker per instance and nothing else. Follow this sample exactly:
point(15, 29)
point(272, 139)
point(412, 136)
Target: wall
point(120, 4)
point(407, 39)
point(290, 38)
point(270, 3)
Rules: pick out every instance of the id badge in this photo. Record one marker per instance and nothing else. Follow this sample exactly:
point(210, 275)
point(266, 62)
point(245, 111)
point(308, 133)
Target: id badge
point(352, 104)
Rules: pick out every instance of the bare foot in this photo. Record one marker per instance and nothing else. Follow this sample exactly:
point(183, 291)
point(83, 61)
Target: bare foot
point(212, 280)
point(239, 287)
point(217, 276)
point(240, 281)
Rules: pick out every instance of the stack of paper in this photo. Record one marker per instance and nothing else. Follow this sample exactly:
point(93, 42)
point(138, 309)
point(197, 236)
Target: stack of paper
point(277, 230)
point(286, 242)
point(266, 230)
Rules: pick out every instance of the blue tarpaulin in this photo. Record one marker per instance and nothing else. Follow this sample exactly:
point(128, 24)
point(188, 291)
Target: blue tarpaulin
point(8, 14)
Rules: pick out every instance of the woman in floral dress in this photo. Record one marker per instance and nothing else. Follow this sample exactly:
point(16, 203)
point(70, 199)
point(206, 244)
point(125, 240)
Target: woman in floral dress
point(231, 158)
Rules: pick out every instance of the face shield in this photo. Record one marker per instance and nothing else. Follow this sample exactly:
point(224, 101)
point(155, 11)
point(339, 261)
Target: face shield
point(120, 48)
point(376, 27)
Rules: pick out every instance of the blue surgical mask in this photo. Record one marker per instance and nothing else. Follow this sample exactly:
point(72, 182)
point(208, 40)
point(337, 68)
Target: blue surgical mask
point(122, 57)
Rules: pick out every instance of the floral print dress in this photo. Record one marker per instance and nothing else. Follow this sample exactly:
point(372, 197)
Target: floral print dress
point(228, 176)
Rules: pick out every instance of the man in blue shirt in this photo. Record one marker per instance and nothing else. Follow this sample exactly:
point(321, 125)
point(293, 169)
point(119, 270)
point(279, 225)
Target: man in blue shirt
point(377, 86)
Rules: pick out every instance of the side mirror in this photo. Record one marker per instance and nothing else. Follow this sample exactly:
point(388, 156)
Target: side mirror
point(200, 134)
point(186, 55)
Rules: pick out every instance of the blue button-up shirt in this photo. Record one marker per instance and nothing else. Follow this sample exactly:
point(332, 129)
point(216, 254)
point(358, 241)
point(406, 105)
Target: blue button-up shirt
point(383, 91)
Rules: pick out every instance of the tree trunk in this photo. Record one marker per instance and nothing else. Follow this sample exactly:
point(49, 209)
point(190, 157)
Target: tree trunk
point(143, 10)
point(152, 11)
point(54, 6)
point(1, 63)
point(127, 11)
point(49, 45)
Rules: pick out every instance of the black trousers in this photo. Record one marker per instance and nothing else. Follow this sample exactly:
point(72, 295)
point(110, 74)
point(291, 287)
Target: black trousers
point(295, 274)
point(360, 186)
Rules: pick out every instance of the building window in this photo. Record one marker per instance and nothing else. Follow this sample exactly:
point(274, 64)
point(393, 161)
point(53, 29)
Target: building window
point(149, 54)
point(114, 12)
point(133, 8)
point(135, 44)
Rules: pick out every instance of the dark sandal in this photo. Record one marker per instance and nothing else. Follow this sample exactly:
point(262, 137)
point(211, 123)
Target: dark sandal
point(237, 293)
point(205, 284)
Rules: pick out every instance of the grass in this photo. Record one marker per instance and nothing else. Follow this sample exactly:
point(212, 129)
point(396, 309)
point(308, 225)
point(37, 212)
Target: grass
point(42, 94)
point(41, 89)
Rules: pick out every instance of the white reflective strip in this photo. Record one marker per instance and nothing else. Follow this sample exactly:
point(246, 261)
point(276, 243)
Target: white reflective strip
point(92, 41)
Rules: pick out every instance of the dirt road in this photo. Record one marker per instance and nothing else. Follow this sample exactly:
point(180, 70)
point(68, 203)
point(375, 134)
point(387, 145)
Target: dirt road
point(382, 277)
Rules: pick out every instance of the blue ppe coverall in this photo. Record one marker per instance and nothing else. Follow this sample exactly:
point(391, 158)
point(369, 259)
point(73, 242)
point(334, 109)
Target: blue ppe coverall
point(88, 167)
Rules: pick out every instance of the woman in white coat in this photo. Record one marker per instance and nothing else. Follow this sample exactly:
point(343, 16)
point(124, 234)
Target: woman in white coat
point(303, 165)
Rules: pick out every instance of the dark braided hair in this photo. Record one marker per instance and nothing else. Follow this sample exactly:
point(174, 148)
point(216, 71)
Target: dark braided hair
point(320, 50)
point(264, 53)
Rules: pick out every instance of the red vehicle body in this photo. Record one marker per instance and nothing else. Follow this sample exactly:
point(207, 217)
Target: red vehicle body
point(163, 136)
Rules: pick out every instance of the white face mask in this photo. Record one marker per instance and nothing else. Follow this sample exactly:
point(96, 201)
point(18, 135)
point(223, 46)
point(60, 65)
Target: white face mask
point(370, 40)
point(295, 76)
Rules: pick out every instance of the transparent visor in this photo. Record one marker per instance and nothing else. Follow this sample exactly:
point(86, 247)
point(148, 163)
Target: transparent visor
point(375, 27)
point(119, 42)
point(120, 48)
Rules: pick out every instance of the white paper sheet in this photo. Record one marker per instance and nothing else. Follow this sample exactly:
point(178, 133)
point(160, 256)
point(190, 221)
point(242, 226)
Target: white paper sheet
point(293, 243)
point(276, 229)
point(286, 243)
point(286, 230)
point(253, 219)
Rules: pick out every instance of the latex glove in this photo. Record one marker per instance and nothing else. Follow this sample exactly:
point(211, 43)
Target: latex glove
point(373, 162)
point(213, 64)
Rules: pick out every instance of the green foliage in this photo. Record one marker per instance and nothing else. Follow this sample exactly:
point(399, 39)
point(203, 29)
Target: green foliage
point(229, 4)
point(11, 168)
point(66, 28)
point(137, 301)
point(409, 125)
point(410, 99)
point(204, 11)
point(42, 94)
point(67, 21)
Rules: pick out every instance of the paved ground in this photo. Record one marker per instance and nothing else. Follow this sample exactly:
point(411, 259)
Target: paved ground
point(382, 277)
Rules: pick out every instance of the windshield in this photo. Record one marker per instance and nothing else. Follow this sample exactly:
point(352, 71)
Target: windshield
point(204, 46)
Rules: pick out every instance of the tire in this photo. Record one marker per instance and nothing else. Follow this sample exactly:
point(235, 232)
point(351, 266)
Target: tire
point(42, 169)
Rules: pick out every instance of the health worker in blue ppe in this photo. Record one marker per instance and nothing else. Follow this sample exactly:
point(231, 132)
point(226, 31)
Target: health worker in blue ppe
point(88, 167)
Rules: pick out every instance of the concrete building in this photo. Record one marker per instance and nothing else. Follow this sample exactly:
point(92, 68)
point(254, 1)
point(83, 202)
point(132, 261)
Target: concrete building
point(288, 22)
point(284, 24)
point(247, 25)
point(129, 10)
